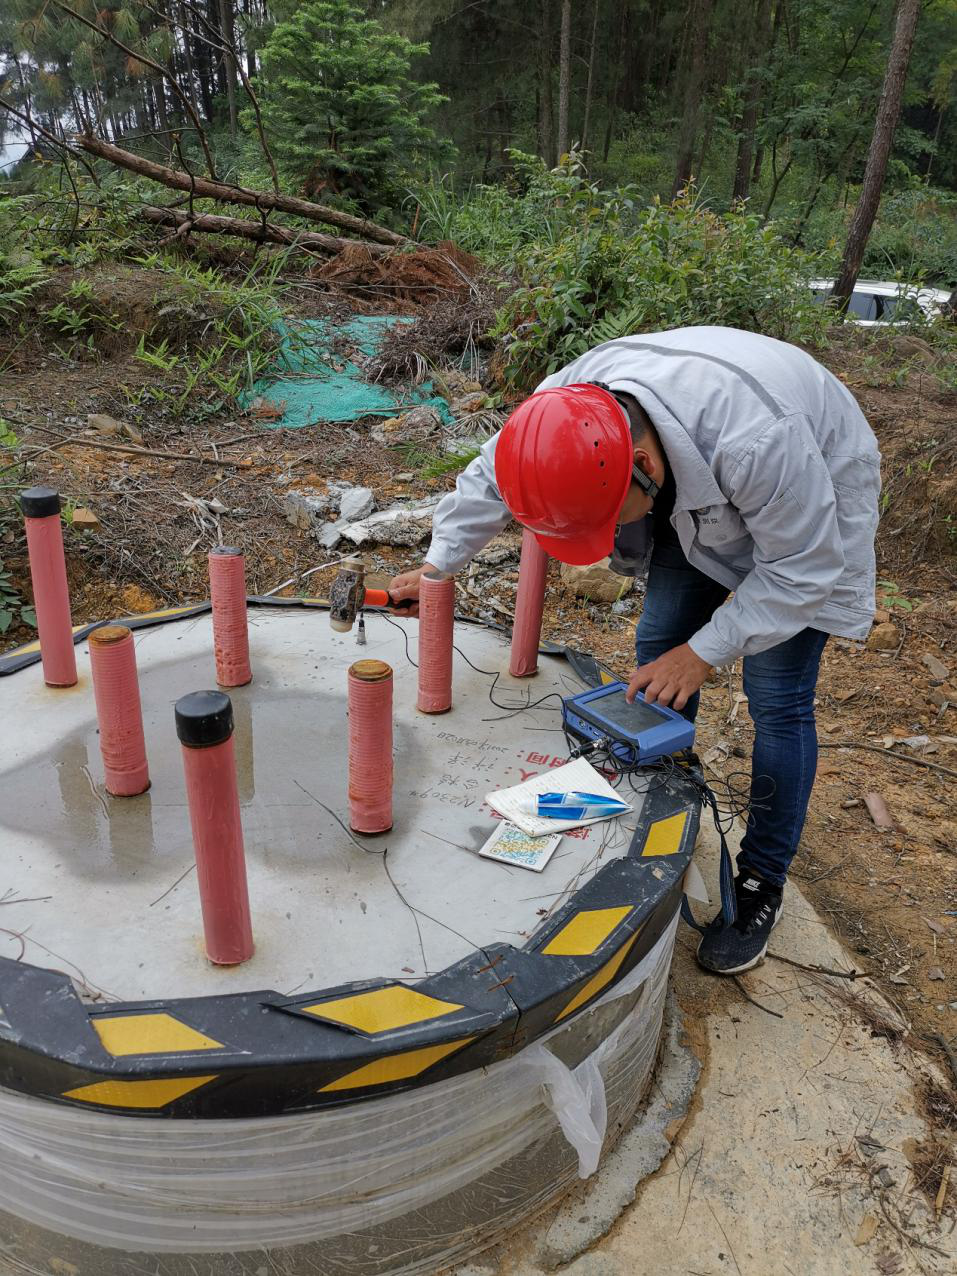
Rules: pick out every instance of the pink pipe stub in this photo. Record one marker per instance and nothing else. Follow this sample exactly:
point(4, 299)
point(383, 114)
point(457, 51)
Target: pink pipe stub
point(118, 710)
point(436, 616)
point(51, 594)
point(529, 605)
point(204, 724)
point(370, 746)
point(227, 588)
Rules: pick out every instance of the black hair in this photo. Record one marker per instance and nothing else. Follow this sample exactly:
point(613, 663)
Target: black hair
point(638, 419)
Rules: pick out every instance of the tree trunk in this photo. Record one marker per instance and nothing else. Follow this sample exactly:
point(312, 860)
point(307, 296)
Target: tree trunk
point(591, 75)
point(647, 49)
point(191, 78)
point(250, 56)
point(262, 232)
point(940, 120)
point(159, 93)
point(564, 77)
point(780, 11)
point(615, 79)
point(546, 118)
point(694, 90)
point(203, 188)
point(228, 26)
point(749, 117)
point(888, 113)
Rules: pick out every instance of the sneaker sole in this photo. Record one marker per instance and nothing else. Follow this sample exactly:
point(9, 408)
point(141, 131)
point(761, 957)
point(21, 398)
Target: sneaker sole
point(748, 965)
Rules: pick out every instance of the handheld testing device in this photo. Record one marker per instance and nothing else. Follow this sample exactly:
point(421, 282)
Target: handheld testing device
point(637, 734)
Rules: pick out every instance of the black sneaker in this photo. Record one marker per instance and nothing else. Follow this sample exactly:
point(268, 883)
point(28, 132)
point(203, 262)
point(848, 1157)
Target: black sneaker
point(728, 950)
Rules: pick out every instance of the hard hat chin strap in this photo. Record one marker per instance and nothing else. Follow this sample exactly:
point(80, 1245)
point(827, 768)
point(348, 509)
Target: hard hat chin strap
point(644, 481)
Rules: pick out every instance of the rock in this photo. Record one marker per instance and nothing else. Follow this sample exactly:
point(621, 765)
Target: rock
point(881, 617)
point(496, 555)
point(416, 426)
point(458, 383)
point(84, 520)
point(106, 425)
point(457, 444)
point(938, 670)
point(399, 525)
point(404, 478)
point(109, 427)
point(305, 506)
point(596, 582)
point(330, 534)
point(355, 503)
point(468, 404)
point(884, 637)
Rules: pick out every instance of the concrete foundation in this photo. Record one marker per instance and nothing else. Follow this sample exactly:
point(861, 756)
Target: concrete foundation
point(110, 881)
point(524, 1009)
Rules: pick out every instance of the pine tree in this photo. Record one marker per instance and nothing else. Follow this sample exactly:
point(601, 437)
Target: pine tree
point(340, 103)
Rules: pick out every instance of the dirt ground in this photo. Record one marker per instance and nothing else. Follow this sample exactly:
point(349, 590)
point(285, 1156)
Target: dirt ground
point(887, 719)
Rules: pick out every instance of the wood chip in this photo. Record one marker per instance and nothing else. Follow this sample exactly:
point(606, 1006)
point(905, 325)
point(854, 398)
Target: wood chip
point(879, 812)
point(936, 927)
point(942, 1192)
point(866, 1229)
point(850, 804)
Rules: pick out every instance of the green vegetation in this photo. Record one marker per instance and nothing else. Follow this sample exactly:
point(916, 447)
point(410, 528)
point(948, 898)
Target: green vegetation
point(13, 607)
point(91, 287)
point(621, 165)
point(345, 114)
point(615, 268)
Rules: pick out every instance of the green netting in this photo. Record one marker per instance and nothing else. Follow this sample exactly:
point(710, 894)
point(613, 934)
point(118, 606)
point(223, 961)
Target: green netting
point(315, 380)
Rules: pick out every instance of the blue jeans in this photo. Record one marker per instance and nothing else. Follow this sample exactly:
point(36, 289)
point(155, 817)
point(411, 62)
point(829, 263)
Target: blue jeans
point(780, 685)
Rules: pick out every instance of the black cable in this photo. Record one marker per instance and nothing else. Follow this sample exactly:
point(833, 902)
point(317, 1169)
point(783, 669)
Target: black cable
point(726, 799)
point(489, 673)
point(405, 637)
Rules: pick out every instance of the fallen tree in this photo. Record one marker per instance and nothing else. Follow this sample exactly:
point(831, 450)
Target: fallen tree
point(264, 201)
point(183, 223)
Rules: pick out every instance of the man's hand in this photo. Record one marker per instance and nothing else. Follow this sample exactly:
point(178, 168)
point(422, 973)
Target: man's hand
point(671, 679)
point(407, 586)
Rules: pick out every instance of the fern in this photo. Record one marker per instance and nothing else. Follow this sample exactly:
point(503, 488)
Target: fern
point(18, 283)
point(619, 323)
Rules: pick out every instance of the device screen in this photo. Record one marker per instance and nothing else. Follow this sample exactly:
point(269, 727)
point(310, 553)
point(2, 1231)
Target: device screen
point(630, 718)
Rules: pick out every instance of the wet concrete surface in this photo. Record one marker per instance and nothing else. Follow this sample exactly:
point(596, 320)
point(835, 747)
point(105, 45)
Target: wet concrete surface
point(104, 888)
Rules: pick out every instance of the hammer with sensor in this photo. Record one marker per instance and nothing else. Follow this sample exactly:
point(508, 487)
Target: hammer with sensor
point(348, 595)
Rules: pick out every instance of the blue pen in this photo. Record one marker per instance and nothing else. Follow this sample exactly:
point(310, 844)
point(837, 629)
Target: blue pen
point(578, 806)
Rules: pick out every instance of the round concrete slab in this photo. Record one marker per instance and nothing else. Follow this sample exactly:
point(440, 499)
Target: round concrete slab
point(104, 888)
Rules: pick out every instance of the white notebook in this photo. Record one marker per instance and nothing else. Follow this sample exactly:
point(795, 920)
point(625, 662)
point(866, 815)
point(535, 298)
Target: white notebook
point(574, 777)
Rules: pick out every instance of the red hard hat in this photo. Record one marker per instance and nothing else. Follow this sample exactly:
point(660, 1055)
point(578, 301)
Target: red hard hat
point(563, 466)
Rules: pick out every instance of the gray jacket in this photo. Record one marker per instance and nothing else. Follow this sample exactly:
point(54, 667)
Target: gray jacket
point(777, 475)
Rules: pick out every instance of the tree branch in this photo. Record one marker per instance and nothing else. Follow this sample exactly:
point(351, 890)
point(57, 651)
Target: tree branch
point(262, 232)
point(202, 188)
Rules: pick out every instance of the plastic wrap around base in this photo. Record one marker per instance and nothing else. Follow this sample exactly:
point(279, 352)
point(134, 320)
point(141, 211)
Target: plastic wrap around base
point(403, 1184)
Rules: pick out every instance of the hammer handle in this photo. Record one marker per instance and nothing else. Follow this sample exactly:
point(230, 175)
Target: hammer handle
point(382, 598)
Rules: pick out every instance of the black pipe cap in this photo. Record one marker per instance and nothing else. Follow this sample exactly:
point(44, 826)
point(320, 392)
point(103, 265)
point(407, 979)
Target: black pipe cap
point(204, 718)
point(40, 502)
